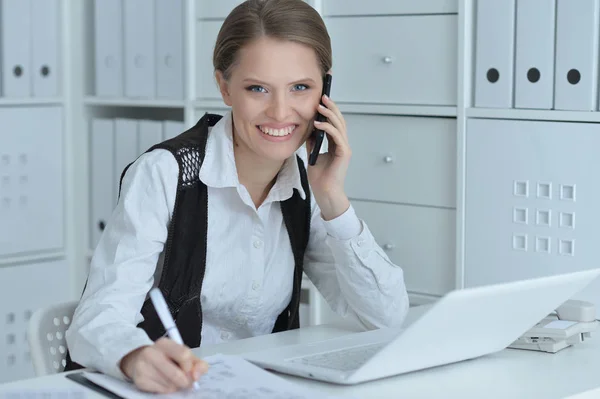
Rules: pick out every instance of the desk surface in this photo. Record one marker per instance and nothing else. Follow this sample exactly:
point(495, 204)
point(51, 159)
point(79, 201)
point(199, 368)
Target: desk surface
point(507, 374)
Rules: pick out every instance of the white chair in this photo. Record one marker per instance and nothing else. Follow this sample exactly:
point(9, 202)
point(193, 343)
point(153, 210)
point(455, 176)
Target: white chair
point(46, 336)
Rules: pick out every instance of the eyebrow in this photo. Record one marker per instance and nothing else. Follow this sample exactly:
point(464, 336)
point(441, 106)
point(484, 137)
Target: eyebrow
point(252, 80)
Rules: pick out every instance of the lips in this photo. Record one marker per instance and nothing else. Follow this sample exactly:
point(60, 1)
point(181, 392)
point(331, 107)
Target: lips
point(277, 132)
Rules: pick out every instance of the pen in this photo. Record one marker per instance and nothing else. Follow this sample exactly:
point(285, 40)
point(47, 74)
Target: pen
point(165, 317)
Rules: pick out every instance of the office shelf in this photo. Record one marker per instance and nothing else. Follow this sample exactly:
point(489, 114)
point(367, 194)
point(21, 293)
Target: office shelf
point(209, 104)
point(417, 299)
point(363, 108)
point(131, 102)
point(397, 109)
point(31, 258)
point(30, 101)
point(533, 114)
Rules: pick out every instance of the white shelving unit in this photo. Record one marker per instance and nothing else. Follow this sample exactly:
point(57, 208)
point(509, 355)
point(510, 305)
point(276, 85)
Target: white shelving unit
point(36, 171)
point(405, 78)
point(203, 17)
point(526, 192)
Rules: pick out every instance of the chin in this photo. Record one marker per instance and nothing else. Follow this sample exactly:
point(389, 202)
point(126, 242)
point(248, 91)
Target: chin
point(278, 155)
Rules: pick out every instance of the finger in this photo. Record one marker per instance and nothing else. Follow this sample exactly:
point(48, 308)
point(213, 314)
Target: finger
point(199, 369)
point(329, 103)
point(148, 378)
point(332, 116)
point(340, 144)
point(181, 354)
point(161, 372)
point(170, 370)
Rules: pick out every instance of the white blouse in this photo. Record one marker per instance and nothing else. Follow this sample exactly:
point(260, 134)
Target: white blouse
point(249, 263)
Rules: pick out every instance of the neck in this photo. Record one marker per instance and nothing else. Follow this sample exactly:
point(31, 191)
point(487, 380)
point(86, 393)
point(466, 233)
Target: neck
point(257, 174)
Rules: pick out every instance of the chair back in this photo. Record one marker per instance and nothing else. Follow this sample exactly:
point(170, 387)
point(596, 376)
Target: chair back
point(46, 337)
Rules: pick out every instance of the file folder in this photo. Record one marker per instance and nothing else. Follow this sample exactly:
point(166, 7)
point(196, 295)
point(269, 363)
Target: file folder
point(169, 49)
point(576, 78)
point(45, 44)
point(103, 195)
point(108, 52)
point(172, 129)
point(126, 147)
point(534, 60)
point(140, 54)
point(494, 53)
point(15, 26)
point(149, 134)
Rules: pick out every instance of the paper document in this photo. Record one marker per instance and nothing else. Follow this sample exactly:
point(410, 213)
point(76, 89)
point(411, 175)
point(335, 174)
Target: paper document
point(228, 377)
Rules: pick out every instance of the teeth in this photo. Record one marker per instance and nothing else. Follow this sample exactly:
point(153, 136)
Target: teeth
point(277, 132)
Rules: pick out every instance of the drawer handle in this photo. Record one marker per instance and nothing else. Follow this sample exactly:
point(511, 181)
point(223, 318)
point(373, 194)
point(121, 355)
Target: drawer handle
point(388, 247)
point(387, 59)
point(388, 159)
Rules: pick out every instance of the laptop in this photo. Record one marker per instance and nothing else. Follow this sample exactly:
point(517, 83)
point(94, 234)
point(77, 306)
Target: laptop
point(463, 324)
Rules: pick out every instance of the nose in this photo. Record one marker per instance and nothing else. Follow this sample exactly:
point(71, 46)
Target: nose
point(278, 108)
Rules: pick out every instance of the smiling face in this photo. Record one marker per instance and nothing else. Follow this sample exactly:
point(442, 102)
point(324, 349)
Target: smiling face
point(273, 91)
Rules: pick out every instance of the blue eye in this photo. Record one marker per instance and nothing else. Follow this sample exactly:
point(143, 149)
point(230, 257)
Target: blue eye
point(256, 89)
point(300, 87)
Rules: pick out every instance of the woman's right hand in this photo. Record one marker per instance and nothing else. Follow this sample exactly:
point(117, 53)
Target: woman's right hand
point(164, 367)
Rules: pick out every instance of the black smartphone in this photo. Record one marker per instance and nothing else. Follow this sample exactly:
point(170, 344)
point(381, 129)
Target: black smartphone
point(319, 134)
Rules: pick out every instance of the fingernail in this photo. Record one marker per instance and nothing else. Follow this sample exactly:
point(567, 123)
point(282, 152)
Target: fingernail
point(317, 122)
point(321, 106)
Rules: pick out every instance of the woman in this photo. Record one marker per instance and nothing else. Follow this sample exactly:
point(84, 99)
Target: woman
point(269, 59)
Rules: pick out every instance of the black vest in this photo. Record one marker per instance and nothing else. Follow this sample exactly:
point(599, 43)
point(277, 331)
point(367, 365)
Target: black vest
point(185, 249)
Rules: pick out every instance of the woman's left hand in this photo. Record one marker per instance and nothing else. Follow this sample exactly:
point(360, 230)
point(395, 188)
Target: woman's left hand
point(327, 176)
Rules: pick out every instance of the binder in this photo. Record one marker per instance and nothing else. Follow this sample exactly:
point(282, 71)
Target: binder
point(576, 78)
point(149, 134)
point(103, 196)
point(169, 49)
point(140, 54)
point(534, 60)
point(108, 49)
point(45, 44)
point(206, 35)
point(15, 26)
point(172, 129)
point(494, 53)
point(126, 148)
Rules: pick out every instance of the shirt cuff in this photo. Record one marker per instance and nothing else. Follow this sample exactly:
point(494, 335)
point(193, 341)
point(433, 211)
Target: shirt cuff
point(345, 226)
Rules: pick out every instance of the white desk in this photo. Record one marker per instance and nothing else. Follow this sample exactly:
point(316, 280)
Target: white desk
point(507, 374)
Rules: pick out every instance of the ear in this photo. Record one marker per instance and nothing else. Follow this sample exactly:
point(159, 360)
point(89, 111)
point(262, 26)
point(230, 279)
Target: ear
point(223, 87)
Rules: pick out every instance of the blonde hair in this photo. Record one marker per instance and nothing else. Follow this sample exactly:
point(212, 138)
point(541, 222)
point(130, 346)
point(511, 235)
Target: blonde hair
point(292, 20)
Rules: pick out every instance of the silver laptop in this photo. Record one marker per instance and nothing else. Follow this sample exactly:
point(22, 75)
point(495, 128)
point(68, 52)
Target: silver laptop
point(464, 324)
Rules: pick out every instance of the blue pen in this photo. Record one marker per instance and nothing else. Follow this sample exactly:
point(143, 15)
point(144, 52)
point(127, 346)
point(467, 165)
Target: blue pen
point(165, 317)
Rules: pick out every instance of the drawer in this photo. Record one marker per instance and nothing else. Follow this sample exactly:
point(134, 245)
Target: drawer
point(420, 240)
point(210, 9)
point(402, 159)
point(381, 7)
point(206, 36)
point(371, 66)
point(32, 200)
point(216, 9)
point(24, 288)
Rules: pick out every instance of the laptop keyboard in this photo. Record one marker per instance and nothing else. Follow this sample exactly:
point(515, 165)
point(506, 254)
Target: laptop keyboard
point(346, 359)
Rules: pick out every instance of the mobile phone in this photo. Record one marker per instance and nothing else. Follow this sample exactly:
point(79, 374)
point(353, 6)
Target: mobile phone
point(319, 134)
